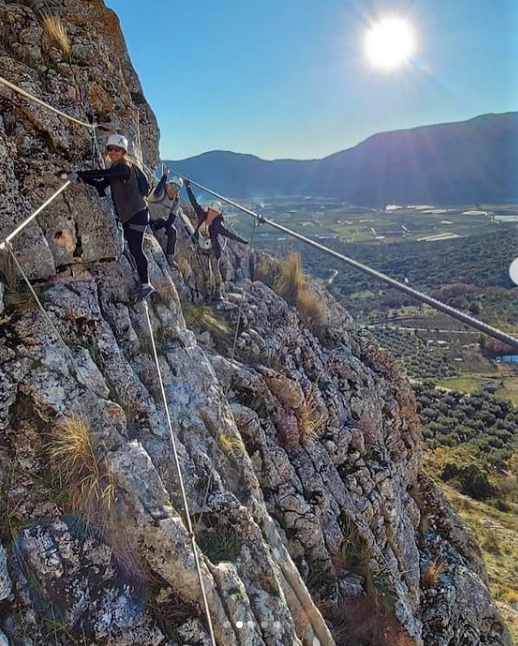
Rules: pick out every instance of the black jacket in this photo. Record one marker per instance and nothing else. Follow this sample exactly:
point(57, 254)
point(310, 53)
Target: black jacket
point(216, 228)
point(123, 182)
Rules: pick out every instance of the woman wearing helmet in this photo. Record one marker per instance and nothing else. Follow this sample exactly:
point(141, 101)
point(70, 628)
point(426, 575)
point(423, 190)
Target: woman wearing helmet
point(164, 206)
point(210, 226)
point(129, 187)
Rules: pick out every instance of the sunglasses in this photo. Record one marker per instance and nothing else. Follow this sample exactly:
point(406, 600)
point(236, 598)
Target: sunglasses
point(114, 149)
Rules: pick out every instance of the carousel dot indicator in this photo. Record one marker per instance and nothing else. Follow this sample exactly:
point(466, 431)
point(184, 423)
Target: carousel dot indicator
point(513, 271)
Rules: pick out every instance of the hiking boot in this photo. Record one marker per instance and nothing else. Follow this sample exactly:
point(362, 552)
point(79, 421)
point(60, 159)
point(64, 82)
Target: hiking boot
point(146, 292)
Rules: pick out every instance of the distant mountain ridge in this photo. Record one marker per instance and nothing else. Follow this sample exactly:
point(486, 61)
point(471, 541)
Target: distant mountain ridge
point(452, 163)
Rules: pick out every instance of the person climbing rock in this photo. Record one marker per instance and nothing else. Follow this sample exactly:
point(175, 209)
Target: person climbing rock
point(129, 188)
point(164, 207)
point(211, 225)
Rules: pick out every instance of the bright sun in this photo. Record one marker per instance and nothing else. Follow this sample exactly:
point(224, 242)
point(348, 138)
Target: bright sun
point(390, 43)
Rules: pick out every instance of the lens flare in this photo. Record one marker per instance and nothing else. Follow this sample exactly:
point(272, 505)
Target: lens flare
point(390, 43)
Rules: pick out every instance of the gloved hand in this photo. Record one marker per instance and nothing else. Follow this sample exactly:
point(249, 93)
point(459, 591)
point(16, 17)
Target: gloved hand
point(73, 176)
point(156, 225)
point(245, 242)
point(186, 182)
point(194, 238)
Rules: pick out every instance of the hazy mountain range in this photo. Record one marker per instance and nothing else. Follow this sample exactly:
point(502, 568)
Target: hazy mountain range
point(452, 163)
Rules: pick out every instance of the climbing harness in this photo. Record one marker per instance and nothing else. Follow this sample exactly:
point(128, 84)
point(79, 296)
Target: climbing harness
point(447, 309)
point(204, 241)
point(180, 477)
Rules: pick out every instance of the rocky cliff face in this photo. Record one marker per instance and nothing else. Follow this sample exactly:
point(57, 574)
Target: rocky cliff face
point(299, 446)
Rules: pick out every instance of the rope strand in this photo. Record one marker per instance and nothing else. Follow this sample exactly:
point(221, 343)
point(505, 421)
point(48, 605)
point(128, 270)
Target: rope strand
point(180, 477)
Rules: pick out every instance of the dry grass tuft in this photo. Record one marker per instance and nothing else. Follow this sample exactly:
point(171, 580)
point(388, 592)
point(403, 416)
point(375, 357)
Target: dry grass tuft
point(56, 32)
point(165, 295)
point(8, 271)
point(364, 620)
point(310, 418)
point(292, 284)
point(87, 481)
point(167, 609)
point(355, 552)
point(266, 269)
point(309, 305)
point(491, 542)
point(290, 279)
point(202, 317)
point(511, 596)
point(232, 447)
point(21, 301)
point(228, 444)
point(432, 573)
point(89, 488)
point(16, 293)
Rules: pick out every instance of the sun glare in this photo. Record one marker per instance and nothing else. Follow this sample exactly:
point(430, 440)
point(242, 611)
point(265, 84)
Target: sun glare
point(390, 43)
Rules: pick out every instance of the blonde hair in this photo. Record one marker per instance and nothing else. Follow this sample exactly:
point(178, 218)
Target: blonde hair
point(125, 156)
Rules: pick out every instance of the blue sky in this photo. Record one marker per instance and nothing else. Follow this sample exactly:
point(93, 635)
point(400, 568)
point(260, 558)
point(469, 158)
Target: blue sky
point(289, 78)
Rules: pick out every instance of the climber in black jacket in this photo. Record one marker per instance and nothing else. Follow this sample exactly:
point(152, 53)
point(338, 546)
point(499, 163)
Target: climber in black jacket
point(126, 182)
point(210, 226)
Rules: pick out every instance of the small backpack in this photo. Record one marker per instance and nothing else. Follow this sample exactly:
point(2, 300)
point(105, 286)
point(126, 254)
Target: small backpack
point(143, 184)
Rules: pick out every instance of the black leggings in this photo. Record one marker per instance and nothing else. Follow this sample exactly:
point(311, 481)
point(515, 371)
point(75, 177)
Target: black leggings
point(134, 231)
point(170, 231)
point(171, 239)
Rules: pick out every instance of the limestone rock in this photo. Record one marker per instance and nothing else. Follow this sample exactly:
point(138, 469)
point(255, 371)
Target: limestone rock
point(299, 452)
point(5, 581)
point(61, 563)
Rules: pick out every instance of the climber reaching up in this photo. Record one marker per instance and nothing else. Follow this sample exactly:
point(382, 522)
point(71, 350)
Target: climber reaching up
point(129, 188)
point(211, 225)
point(164, 207)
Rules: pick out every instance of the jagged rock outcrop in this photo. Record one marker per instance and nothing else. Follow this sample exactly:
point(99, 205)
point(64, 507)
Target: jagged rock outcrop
point(299, 451)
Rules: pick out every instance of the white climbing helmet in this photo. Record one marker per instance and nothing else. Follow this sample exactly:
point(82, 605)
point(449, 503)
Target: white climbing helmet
point(118, 140)
point(176, 183)
point(216, 206)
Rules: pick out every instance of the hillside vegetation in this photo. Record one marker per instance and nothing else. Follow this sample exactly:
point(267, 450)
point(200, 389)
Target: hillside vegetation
point(438, 164)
